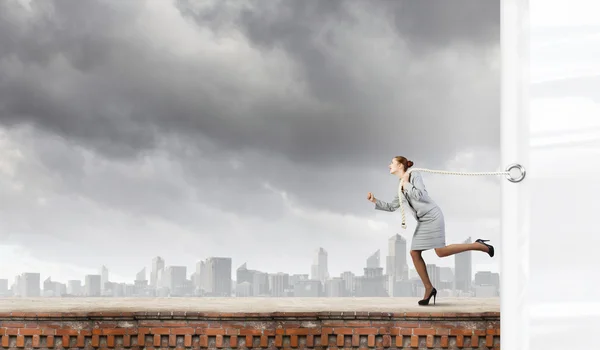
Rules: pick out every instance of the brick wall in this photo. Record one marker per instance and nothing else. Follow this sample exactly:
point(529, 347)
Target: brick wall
point(192, 330)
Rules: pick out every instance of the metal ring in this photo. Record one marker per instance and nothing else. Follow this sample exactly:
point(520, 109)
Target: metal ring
point(515, 166)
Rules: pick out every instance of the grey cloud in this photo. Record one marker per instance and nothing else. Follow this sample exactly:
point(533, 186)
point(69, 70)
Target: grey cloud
point(126, 98)
point(117, 95)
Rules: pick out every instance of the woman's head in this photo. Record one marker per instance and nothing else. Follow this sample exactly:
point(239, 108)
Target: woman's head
point(400, 164)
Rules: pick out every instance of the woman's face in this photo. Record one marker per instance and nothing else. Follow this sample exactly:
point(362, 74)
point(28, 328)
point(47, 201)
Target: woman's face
point(395, 167)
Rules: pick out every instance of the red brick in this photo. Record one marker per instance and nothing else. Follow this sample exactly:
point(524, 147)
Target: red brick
point(156, 340)
point(489, 341)
point(297, 331)
point(160, 331)
point(203, 341)
point(414, 341)
point(475, 341)
point(294, 341)
point(371, 340)
point(66, 331)
point(460, 342)
point(340, 340)
point(343, 330)
point(249, 331)
point(29, 331)
point(355, 340)
point(50, 341)
point(399, 341)
point(460, 331)
point(110, 341)
point(421, 331)
point(310, 340)
point(35, 341)
point(264, 341)
point(233, 341)
point(366, 331)
point(80, 341)
point(430, 341)
point(66, 341)
point(249, 341)
point(219, 341)
point(114, 331)
point(20, 341)
point(95, 341)
point(187, 340)
point(444, 341)
point(387, 341)
point(5, 341)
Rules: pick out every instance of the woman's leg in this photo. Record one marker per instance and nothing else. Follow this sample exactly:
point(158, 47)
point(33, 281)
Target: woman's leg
point(459, 248)
point(421, 270)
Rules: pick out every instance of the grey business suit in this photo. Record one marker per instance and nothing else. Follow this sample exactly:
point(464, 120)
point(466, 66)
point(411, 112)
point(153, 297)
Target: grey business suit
point(430, 232)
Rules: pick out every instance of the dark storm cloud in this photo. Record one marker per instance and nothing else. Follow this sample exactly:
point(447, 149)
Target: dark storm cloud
point(85, 71)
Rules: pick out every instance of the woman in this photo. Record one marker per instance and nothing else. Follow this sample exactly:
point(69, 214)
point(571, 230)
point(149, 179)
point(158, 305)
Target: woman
point(430, 232)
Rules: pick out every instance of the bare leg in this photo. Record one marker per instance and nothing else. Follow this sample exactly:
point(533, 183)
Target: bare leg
point(422, 271)
point(459, 248)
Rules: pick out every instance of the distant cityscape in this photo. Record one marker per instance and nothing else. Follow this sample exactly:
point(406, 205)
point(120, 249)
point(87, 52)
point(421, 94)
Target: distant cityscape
point(213, 278)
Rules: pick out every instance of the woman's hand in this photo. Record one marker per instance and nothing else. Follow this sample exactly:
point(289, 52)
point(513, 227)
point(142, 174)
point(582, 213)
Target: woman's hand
point(371, 198)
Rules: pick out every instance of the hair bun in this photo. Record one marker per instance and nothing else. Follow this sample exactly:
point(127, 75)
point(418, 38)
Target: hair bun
point(410, 163)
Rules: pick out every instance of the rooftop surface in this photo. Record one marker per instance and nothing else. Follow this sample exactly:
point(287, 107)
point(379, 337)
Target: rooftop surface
point(249, 305)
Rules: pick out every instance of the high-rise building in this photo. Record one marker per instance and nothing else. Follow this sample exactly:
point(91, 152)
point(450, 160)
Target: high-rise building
point(462, 270)
point(218, 276)
point(92, 285)
point(349, 282)
point(396, 264)
point(29, 285)
point(279, 284)
point(374, 261)
point(434, 274)
point(158, 264)
point(319, 270)
point(74, 288)
point(335, 288)
point(174, 278)
point(104, 277)
point(3, 287)
point(141, 276)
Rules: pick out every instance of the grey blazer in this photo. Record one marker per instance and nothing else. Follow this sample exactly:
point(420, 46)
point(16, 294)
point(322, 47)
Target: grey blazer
point(414, 196)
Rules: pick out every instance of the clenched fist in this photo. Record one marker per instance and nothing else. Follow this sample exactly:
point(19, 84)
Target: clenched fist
point(371, 198)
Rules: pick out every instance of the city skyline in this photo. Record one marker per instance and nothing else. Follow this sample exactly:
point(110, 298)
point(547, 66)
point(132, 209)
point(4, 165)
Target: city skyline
point(215, 276)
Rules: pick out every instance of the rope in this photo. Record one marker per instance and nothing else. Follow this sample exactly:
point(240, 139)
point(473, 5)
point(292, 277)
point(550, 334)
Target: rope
point(444, 172)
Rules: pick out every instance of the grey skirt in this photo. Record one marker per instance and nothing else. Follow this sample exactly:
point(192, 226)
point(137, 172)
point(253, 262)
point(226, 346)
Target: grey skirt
point(430, 232)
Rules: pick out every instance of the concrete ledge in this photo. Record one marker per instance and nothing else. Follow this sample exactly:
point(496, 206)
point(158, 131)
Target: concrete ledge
point(248, 305)
point(273, 324)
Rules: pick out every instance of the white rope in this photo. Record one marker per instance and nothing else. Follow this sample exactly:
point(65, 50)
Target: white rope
point(444, 172)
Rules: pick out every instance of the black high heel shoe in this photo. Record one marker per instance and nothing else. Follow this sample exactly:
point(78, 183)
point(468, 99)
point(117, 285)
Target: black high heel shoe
point(490, 247)
point(426, 301)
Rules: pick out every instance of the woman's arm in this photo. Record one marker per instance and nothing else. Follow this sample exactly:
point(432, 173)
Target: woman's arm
point(381, 205)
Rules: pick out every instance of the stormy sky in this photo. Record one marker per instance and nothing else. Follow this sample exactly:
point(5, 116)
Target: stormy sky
point(249, 129)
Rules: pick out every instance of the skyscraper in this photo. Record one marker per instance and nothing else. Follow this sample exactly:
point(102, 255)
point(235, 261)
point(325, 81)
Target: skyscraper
point(462, 270)
point(104, 277)
point(374, 261)
point(218, 276)
point(396, 264)
point(319, 270)
point(158, 264)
